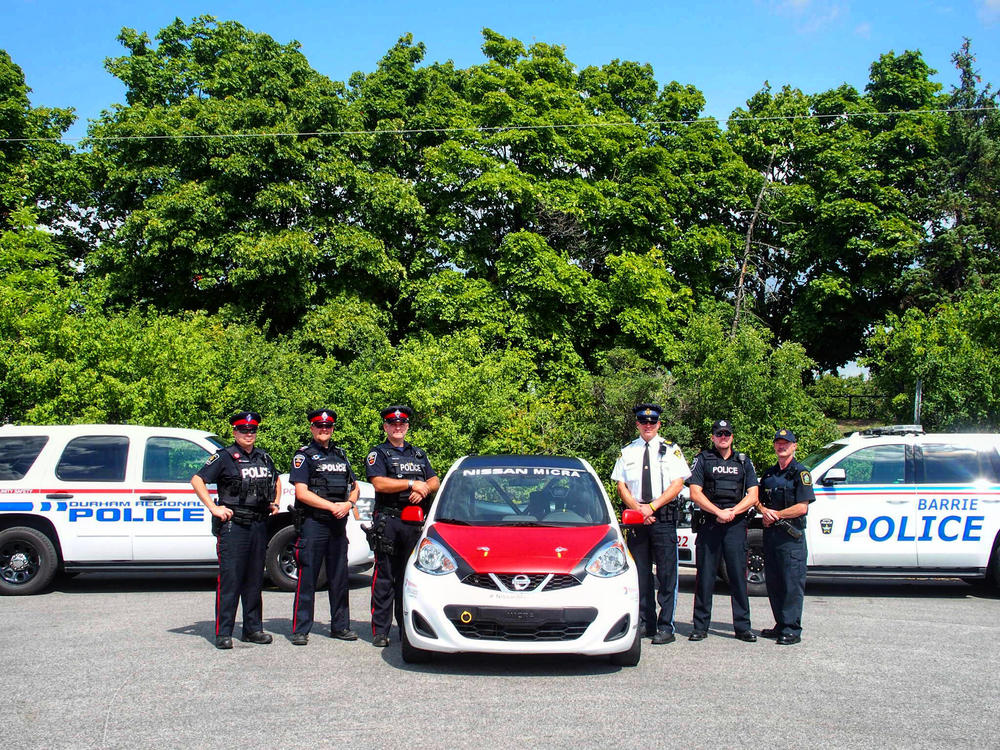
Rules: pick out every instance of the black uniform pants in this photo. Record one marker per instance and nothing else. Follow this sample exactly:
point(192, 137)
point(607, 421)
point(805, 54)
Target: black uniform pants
point(387, 581)
point(321, 540)
point(649, 545)
point(727, 541)
point(785, 572)
point(241, 576)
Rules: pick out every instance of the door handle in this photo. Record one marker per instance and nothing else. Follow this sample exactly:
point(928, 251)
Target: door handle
point(898, 502)
point(152, 497)
point(58, 496)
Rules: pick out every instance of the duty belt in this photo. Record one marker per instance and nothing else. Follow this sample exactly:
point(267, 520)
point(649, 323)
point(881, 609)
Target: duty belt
point(390, 510)
point(664, 513)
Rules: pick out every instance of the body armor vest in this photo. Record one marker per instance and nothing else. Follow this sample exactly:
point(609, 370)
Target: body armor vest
point(725, 490)
point(329, 478)
point(400, 466)
point(254, 482)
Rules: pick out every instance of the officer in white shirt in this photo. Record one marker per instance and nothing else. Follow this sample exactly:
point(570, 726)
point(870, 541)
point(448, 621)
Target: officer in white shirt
point(650, 473)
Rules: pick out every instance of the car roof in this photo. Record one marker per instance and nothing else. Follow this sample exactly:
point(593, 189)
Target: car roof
point(557, 462)
point(101, 429)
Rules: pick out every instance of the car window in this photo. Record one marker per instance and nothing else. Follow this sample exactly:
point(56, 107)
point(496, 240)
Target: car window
point(94, 458)
point(17, 454)
point(876, 464)
point(954, 464)
point(170, 459)
point(523, 497)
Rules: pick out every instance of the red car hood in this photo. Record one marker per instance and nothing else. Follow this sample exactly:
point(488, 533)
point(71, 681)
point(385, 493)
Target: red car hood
point(521, 549)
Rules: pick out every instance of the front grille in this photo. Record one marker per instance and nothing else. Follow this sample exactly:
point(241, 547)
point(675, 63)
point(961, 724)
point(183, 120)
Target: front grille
point(534, 580)
point(501, 581)
point(481, 580)
point(520, 624)
point(561, 581)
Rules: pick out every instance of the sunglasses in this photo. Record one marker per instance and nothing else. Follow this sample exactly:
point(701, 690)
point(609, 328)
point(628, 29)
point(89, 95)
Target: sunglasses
point(247, 430)
point(646, 420)
point(397, 421)
point(323, 425)
point(724, 433)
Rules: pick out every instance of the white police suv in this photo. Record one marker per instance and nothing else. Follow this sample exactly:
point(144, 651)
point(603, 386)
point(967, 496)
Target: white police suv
point(894, 501)
point(85, 498)
point(522, 555)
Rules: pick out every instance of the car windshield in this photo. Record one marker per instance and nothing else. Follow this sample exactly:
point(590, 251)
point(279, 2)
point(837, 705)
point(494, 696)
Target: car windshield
point(812, 460)
point(521, 491)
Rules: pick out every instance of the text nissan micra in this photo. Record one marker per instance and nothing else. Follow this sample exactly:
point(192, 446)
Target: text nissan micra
point(522, 555)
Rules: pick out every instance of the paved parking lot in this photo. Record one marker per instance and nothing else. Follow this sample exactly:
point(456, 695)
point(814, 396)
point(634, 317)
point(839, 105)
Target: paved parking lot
point(115, 661)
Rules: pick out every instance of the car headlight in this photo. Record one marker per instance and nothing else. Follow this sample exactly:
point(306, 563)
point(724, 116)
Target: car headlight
point(434, 559)
point(609, 561)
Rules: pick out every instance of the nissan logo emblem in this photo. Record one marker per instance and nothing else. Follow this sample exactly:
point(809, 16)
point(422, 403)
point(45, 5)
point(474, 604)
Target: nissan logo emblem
point(521, 582)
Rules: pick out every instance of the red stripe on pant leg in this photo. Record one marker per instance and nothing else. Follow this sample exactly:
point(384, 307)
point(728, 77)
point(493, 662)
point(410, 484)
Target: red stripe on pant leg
point(298, 585)
point(374, 578)
point(218, 585)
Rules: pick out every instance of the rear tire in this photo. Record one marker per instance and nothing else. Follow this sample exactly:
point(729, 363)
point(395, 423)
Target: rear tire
point(280, 564)
point(28, 561)
point(629, 658)
point(756, 580)
point(411, 654)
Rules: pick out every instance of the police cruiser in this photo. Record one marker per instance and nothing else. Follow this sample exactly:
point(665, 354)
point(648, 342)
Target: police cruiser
point(894, 501)
point(84, 498)
point(519, 555)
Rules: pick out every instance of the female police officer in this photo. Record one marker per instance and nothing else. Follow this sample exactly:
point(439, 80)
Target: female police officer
point(325, 492)
point(786, 491)
point(249, 490)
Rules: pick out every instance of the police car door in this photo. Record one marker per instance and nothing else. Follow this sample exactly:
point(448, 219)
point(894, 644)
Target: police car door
point(88, 498)
point(168, 521)
point(870, 519)
point(958, 501)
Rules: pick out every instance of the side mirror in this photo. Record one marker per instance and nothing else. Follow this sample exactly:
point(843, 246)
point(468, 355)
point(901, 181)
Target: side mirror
point(412, 514)
point(632, 517)
point(833, 476)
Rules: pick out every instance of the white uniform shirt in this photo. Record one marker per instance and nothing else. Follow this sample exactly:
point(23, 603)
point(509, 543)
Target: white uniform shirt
point(662, 470)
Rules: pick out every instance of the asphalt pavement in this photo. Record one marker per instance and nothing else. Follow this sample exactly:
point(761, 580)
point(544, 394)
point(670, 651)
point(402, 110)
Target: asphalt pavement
point(124, 661)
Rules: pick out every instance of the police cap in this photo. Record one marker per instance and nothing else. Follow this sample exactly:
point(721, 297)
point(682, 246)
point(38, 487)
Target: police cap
point(245, 419)
point(396, 413)
point(785, 434)
point(721, 425)
point(321, 417)
point(647, 413)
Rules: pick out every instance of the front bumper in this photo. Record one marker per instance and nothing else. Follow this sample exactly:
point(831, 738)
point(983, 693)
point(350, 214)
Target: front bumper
point(598, 616)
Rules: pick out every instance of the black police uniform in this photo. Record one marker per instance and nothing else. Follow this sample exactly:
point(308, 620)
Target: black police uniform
point(785, 556)
point(246, 484)
point(725, 482)
point(322, 536)
point(395, 538)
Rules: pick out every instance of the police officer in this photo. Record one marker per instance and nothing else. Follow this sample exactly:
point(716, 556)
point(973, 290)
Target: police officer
point(650, 472)
point(248, 491)
point(786, 491)
point(401, 475)
point(325, 492)
point(724, 487)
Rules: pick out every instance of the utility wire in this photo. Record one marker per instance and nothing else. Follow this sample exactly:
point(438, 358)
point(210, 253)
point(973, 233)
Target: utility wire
point(497, 129)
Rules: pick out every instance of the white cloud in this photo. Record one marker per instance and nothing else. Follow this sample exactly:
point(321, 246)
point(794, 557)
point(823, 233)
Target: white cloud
point(811, 16)
point(863, 30)
point(989, 11)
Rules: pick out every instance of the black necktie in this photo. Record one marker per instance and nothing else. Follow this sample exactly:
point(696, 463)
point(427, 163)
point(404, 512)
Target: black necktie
point(647, 479)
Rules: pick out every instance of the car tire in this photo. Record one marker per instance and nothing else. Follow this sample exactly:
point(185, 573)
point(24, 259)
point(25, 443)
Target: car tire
point(279, 560)
point(630, 657)
point(993, 570)
point(410, 653)
point(28, 561)
point(756, 580)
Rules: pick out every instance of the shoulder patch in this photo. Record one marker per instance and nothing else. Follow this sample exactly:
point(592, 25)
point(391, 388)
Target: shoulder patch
point(806, 478)
point(298, 460)
point(371, 458)
point(212, 459)
point(677, 452)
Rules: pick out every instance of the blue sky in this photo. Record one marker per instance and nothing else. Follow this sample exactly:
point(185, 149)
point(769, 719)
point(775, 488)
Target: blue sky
point(727, 49)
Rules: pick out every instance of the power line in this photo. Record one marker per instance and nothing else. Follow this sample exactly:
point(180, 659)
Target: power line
point(496, 129)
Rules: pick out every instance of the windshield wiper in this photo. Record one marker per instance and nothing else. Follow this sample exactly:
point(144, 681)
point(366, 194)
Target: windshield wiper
point(455, 521)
